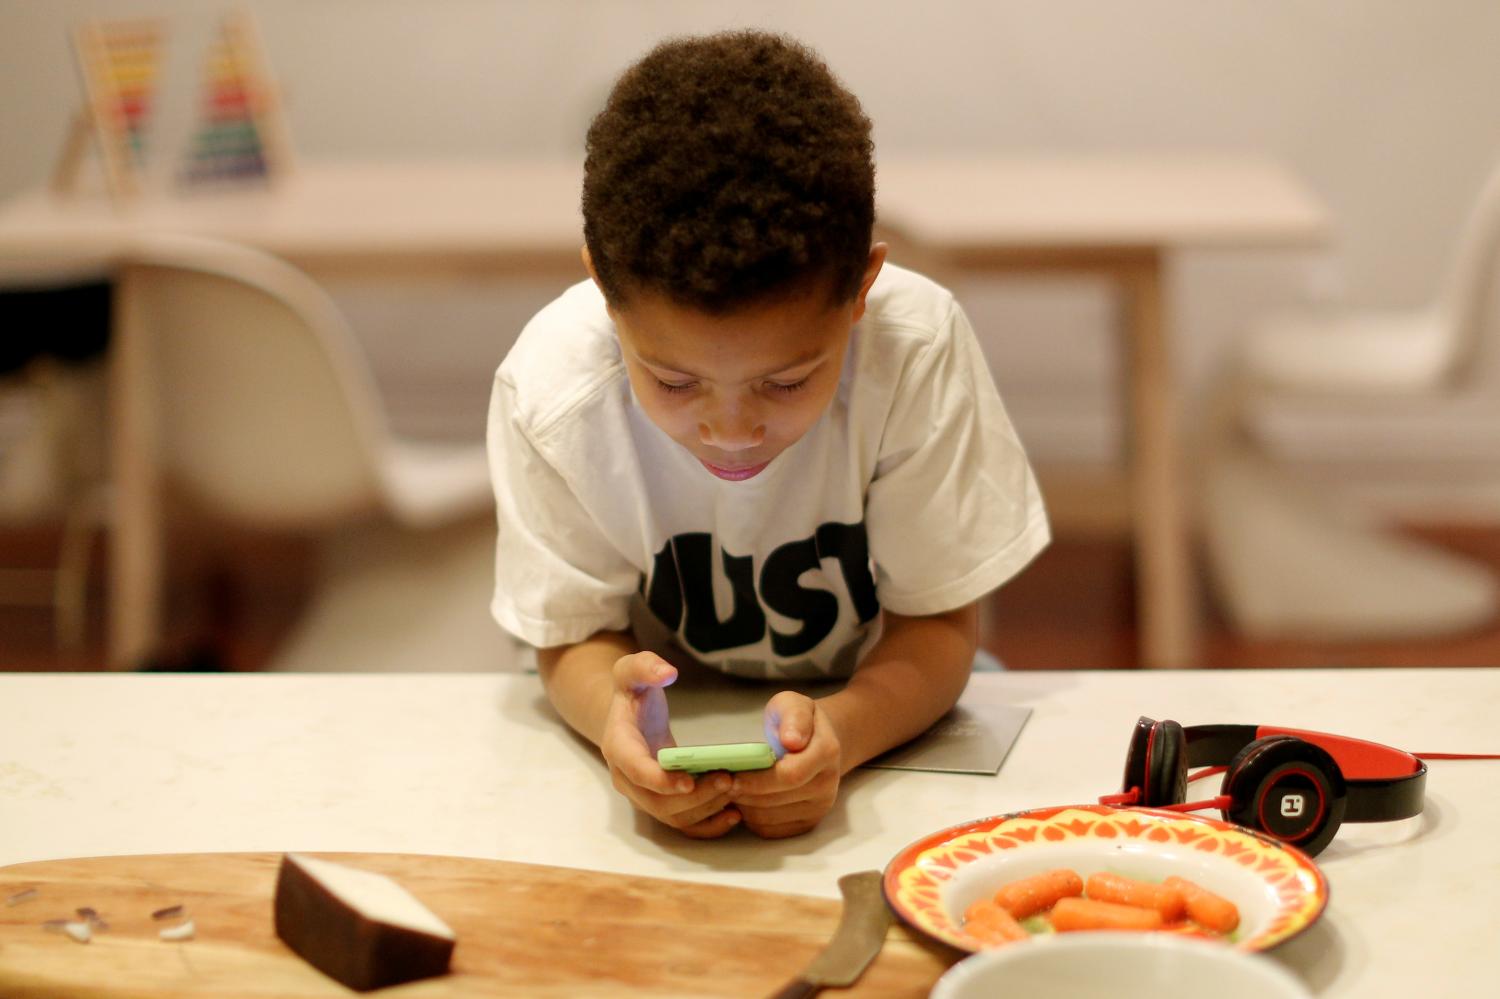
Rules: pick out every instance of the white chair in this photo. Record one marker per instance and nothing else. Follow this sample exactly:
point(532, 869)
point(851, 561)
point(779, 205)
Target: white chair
point(267, 416)
point(1291, 557)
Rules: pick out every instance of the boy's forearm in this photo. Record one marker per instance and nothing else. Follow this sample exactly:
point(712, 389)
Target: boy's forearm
point(579, 679)
point(908, 680)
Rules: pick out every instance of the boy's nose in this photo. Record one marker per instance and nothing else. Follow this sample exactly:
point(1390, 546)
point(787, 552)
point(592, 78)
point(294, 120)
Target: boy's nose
point(730, 433)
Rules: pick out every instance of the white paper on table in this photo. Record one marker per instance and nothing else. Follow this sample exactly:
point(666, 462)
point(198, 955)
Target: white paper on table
point(974, 738)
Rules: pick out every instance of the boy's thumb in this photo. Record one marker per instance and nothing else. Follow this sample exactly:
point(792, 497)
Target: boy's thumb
point(789, 718)
point(643, 669)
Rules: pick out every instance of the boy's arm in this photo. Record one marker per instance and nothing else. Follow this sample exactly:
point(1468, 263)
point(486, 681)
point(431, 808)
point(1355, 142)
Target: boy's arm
point(579, 679)
point(909, 679)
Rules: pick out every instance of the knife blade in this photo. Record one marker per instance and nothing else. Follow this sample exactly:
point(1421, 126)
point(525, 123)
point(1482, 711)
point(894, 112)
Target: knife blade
point(860, 934)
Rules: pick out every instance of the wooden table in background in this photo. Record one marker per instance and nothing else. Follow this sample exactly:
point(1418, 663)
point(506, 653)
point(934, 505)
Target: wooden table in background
point(1115, 217)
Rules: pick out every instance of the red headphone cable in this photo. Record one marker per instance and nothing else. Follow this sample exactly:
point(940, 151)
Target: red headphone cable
point(1220, 802)
point(1457, 756)
point(1133, 796)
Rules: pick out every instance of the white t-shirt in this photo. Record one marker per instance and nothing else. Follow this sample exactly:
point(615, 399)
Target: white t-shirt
point(910, 493)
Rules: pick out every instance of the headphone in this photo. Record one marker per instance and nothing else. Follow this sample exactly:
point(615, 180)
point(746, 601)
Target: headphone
point(1293, 785)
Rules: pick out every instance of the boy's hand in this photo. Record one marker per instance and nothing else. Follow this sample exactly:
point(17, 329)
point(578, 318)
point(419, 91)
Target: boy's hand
point(794, 795)
point(636, 727)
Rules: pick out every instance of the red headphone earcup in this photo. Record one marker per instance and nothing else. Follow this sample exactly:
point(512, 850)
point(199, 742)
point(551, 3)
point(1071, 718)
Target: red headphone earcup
point(1166, 766)
point(1288, 789)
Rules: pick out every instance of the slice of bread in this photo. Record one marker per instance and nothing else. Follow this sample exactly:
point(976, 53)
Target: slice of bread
point(358, 927)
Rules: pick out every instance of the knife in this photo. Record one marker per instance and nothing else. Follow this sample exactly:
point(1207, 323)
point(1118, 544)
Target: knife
point(855, 943)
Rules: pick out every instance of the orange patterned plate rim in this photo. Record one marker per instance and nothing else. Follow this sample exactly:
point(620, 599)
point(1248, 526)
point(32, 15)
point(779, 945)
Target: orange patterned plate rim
point(916, 877)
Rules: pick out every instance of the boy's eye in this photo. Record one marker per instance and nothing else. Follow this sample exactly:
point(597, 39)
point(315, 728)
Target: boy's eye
point(675, 386)
point(787, 387)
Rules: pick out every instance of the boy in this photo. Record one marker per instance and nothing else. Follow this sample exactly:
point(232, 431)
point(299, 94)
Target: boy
point(751, 439)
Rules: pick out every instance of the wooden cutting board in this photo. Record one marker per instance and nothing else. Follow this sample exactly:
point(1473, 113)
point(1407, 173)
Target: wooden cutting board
point(523, 930)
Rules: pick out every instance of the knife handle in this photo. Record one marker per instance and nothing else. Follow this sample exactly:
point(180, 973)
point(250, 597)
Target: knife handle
point(798, 988)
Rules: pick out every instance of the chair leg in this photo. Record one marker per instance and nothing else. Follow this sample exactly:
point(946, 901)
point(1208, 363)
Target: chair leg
point(85, 517)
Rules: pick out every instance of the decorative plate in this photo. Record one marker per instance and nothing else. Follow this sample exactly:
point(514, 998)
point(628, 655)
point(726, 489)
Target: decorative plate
point(1278, 889)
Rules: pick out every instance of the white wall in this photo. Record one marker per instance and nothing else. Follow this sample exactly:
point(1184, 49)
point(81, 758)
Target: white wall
point(1389, 109)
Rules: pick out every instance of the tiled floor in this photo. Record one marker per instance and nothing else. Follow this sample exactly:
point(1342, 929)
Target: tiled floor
point(232, 623)
point(1073, 608)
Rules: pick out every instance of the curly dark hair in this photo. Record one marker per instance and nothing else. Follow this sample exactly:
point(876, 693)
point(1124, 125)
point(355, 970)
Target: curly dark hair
point(727, 169)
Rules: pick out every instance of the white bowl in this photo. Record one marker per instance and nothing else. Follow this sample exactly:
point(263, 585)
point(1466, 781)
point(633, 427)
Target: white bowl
point(1278, 890)
point(1118, 966)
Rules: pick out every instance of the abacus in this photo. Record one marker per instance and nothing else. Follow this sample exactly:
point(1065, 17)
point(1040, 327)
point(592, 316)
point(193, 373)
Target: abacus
point(237, 134)
point(240, 132)
point(120, 62)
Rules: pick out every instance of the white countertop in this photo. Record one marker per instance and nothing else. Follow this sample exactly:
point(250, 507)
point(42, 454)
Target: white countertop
point(477, 765)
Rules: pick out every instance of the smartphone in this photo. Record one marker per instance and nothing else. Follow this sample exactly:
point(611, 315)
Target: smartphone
point(728, 756)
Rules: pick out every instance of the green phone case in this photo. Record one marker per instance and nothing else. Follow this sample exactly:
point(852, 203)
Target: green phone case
point(730, 756)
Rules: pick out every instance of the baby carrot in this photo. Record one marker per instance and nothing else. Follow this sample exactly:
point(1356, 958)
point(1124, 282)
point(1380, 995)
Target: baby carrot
point(1188, 928)
point(991, 924)
point(1090, 914)
point(1212, 912)
point(1142, 894)
point(1036, 893)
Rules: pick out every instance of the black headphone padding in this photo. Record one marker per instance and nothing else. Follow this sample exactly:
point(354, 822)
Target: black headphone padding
point(1135, 756)
point(1166, 766)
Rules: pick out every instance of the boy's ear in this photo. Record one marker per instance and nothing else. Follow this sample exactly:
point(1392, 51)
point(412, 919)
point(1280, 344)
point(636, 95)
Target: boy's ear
point(588, 265)
point(872, 271)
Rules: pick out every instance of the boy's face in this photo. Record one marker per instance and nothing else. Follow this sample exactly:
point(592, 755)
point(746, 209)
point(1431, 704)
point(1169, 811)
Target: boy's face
point(737, 390)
